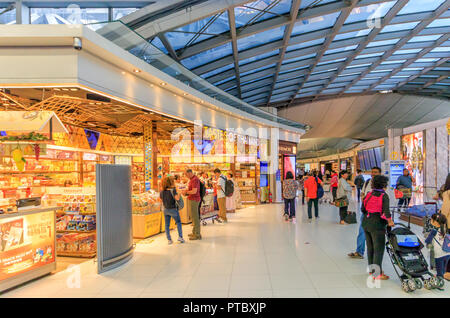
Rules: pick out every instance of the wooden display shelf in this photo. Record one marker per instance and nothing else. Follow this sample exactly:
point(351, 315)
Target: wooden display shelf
point(74, 231)
point(37, 172)
point(77, 254)
point(34, 186)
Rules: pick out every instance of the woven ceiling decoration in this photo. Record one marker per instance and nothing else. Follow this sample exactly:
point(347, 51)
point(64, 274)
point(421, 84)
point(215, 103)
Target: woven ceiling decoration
point(113, 118)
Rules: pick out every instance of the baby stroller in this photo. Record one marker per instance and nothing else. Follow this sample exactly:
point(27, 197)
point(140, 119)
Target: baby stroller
point(404, 250)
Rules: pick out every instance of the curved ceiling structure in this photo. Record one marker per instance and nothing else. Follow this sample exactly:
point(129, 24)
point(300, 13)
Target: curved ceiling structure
point(286, 52)
point(337, 123)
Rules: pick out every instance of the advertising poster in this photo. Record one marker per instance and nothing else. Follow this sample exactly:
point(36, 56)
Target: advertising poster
point(413, 154)
point(27, 243)
point(289, 165)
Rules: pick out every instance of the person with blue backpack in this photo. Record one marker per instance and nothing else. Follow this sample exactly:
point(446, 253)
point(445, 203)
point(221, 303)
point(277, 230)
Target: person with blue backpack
point(313, 192)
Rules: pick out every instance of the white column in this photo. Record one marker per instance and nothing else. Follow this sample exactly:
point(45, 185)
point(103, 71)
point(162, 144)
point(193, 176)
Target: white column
point(22, 13)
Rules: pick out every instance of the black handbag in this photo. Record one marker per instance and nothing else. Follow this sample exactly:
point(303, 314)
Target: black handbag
point(350, 218)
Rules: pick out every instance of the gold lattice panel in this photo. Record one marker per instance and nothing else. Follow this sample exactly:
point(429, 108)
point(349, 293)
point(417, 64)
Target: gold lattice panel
point(148, 164)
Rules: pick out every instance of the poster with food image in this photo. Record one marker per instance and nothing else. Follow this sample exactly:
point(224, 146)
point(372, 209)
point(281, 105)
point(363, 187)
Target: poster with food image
point(27, 243)
point(413, 154)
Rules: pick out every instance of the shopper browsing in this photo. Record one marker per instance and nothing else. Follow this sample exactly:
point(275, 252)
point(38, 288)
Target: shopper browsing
point(344, 193)
point(193, 203)
point(221, 196)
point(169, 198)
point(377, 217)
point(290, 187)
point(404, 184)
point(361, 238)
point(311, 187)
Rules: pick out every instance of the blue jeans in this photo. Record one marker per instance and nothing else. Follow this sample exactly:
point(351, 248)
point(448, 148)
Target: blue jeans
point(441, 265)
point(289, 207)
point(172, 213)
point(361, 239)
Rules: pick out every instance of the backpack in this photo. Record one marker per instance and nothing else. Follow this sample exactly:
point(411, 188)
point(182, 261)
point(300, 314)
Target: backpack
point(229, 187)
point(374, 204)
point(320, 191)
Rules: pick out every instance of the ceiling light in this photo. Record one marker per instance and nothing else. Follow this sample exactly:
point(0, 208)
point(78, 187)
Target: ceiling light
point(57, 89)
point(136, 70)
point(74, 89)
point(123, 72)
point(185, 94)
point(163, 84)
point(386, 92)
point(151, 85)
point(65, 89)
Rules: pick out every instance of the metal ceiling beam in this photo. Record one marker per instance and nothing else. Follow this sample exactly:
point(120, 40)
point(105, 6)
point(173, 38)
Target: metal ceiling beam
point(337, 26)
point(375, 31)
point(421, 26)
point(295, 7)
point(232, 24)
point(168, 47)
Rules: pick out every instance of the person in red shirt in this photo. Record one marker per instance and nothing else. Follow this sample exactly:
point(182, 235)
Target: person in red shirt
point(193, 203)
point(310, 187)
point(334, 184)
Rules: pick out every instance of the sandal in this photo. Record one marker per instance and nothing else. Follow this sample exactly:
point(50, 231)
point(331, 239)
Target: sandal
point(355, 255)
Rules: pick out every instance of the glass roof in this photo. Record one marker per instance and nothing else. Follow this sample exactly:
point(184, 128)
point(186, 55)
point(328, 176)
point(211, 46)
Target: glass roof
point(314, 24)
point(199, 31)
point(348, 60)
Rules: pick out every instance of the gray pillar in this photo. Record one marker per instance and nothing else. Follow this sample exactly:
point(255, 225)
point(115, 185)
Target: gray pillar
point(393, 150)
point(22, 13)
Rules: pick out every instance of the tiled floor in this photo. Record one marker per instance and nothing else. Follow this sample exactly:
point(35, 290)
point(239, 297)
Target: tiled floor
point(255, 255)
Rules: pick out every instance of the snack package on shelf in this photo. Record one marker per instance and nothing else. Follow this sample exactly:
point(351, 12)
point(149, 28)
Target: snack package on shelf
point(146, 203)
point(67, 243)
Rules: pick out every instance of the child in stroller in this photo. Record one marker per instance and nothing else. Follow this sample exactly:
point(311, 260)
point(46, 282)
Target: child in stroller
point(404, 250)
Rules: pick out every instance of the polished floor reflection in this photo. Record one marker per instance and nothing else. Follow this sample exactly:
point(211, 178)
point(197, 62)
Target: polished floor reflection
point(256, 254)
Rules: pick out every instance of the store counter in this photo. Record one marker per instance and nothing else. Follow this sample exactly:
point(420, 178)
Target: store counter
point(28, 245)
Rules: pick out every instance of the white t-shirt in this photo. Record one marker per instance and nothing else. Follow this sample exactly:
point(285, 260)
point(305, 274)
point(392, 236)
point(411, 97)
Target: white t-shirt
point(221, 186)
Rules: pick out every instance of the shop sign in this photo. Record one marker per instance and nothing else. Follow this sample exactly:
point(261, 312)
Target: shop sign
point(89, 156)
point(106, 158)
point(27, 243)
point(286, 148)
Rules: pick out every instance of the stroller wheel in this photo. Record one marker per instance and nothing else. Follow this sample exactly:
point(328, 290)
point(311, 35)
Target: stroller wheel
point(405, 286)
point(438, 282)
point(419, 284)
point(412, 284)
point(427, 284)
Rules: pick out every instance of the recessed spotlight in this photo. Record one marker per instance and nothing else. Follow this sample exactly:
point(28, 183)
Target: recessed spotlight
point(123, 72)
point(201, 101)
point(151, 85)
point(65, 89)
point(136, 70)
point(185, 94)
point(386, 92)
point(57, 89)
point(163, 84)
point(74, 89)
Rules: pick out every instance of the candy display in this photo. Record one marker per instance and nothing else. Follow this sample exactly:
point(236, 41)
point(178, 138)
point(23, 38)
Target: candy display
point(76, 244)
point(146, 203)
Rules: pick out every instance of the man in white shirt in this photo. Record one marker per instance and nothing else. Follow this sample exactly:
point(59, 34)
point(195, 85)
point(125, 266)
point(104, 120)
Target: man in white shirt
point(221, 197)
point(361, 239)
